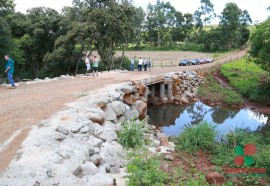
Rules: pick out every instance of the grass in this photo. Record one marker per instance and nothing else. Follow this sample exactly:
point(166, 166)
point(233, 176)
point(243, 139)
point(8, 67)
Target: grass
point(214, 93)
point(201, 136)
point(132, 134)
point(249, 80)
point(147, 169)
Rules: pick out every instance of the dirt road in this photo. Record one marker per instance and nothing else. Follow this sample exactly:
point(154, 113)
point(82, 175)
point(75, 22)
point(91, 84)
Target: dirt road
point(27, 105)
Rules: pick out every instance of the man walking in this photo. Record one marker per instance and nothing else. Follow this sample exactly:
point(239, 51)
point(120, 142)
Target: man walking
point(9, 69)
point(95, 65)
point(88, 66)
point(140, 64)
point(145, 64)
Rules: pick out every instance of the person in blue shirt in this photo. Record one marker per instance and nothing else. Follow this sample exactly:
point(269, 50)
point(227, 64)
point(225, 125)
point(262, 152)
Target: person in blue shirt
point(10, 70)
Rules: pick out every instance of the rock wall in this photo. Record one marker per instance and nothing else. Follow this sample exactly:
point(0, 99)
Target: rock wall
point(78, 146)
point(185, 86)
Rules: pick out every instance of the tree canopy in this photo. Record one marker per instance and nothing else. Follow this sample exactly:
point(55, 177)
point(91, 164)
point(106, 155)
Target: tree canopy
point(44, 42)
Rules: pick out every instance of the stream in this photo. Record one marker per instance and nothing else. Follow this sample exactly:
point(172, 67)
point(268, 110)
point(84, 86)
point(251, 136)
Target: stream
point(173, 118)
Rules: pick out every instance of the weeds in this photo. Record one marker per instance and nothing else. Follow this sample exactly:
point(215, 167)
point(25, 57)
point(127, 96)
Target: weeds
point(201, 136)
point(144, 169)
point(132, 134)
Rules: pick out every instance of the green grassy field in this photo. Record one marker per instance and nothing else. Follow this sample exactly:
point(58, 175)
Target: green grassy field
point(249, 80)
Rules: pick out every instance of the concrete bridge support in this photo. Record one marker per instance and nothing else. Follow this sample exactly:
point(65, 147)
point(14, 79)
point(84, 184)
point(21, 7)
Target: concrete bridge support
point(162, 91)
point(153, 90)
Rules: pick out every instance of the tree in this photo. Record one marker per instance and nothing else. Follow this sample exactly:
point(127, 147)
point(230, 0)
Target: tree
point(6, 7)
point(206, 10)
point(260, 45)
point(41, 32)
point(229, 24)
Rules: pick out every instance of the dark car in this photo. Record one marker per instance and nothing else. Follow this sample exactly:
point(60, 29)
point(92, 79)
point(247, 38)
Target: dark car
point(195, 62)
point(185, 62)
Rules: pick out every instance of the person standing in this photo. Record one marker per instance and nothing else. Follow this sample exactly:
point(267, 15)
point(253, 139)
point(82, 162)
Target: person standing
point(140, 64)
point(95, 65)
point(9, 69)
point(88, 66)
point(145, 64)
point(149, 63)
point(132, 63)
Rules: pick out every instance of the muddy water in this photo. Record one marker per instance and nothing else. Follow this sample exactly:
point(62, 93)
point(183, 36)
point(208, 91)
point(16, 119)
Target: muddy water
point(173, 118)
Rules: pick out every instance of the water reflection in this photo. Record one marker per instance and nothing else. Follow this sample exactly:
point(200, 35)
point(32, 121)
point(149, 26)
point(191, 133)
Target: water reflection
point(173, 118)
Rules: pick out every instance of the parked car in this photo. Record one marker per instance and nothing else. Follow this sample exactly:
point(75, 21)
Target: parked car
point(185, 62)
point(195, 62)
point(203, 61)
point(209, 60)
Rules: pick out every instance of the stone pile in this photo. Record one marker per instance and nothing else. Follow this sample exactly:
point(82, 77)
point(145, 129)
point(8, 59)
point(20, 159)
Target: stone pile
point(78, 146)
point(185, 86)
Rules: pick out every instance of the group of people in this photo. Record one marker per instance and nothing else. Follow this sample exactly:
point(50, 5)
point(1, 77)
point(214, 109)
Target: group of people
point(95, 64)
point(145, 62)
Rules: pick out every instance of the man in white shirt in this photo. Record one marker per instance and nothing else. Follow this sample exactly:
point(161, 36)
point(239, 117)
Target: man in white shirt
point(140, 64)
point(88, 66)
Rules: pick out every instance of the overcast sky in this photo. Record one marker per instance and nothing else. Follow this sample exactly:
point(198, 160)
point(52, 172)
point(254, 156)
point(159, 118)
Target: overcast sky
point(256, 8)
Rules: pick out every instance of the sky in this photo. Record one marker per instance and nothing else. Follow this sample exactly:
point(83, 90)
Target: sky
point(256, 8)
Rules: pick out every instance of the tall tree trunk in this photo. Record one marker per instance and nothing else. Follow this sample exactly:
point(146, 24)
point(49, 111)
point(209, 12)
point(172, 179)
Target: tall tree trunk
point(123, 51)
point(77, 65)
point(159, 38)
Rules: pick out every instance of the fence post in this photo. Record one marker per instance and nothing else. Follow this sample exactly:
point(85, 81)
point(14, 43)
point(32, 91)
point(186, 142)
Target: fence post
point(161, 64)
point(171, 63)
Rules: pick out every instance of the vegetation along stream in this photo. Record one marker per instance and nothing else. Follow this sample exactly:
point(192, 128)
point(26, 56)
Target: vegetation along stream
point(173, 118)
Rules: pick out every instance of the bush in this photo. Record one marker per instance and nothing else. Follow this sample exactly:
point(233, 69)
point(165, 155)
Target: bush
point(144, 170)
point(201, 136)
point(131, 134)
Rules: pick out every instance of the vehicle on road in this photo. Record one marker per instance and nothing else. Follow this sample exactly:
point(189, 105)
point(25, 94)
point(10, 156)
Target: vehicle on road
point(209, 60)
point(203, 61)
point(185, 62)
point(195, 62)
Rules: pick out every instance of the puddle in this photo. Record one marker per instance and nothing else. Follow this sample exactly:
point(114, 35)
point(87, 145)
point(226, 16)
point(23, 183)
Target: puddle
point(173, 118)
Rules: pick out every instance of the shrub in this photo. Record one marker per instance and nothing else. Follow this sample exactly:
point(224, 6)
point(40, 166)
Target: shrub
point(131, 134)
point(144, 170)
point(201, 136)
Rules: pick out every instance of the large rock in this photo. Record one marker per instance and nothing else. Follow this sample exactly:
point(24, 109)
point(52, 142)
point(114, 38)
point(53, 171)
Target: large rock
point(99, 179)
point(129, 99)
point(141, 107)
point(140, 89)
point(215, 178)
point(110, 114)
point(118, 107)
point(127, 89)
point(115, 96)
point(62, 130)
point(184, 100)
point(89, 168)
point(95, 142)
point(74, 166)
point(108, 135)
point(96, 115)
point(111, 153)
point(103, 102)
point(163, 139)
point(96, 159)
point(131, 114)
